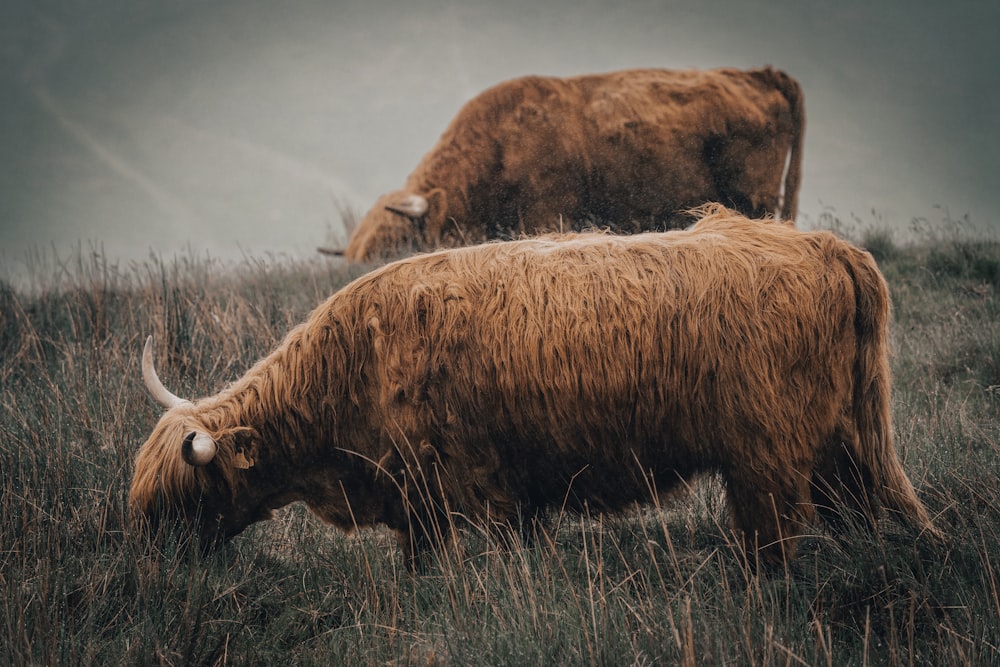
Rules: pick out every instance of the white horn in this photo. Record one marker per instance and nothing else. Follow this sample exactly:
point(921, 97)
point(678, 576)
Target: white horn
point(198, 448)
point(412, 206)
point(160, 393)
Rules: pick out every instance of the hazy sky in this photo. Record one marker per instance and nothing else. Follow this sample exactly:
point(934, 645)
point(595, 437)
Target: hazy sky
point(232, 127)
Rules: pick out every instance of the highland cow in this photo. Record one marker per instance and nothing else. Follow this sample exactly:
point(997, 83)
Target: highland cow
point(631, 151)
point(580, 371)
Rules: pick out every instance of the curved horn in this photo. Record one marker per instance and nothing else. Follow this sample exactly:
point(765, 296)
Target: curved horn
point(198, 448)
point(160, 393)
point(411, 206)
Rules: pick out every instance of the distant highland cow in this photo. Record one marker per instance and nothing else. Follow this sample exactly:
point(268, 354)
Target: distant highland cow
point(582, 371)
point(630, 150)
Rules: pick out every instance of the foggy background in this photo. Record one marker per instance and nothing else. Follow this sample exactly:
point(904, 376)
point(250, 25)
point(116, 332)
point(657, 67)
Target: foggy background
point(241, 128)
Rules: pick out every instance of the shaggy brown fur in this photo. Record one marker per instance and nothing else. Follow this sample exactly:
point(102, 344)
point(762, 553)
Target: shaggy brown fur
point(582, 370)
point(631, 150)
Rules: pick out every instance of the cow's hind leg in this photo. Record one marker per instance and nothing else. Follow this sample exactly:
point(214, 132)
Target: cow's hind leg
point(771, 508)
point(842, 486)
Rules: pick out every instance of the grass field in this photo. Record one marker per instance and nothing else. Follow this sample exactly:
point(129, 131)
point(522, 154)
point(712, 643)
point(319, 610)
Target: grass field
point(661, 585)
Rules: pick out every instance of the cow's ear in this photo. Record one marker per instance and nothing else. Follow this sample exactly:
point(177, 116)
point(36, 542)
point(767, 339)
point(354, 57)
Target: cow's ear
point(243, 460)
point(198, 448)
point(437, 211)
point(437, 203)
point(412, 206)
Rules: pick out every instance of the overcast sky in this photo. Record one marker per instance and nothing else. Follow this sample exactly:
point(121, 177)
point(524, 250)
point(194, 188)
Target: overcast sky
point(241, 127)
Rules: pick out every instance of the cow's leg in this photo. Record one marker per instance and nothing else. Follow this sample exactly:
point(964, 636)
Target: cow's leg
point(842, 484)
point(421, 525)
point(770, 507)
point(748, 177)
point(528, 522)
point(429, 537)
point(555, 212)
point(404, 521)
point(414, 546)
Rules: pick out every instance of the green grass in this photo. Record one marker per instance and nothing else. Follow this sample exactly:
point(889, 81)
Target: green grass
point(661, 585)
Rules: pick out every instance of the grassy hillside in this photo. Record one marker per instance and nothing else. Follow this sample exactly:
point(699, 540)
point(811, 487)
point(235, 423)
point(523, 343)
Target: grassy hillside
point(658, 586)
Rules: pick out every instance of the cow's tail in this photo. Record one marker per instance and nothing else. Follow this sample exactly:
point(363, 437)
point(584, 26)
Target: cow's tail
point(872, 396)
point(792, 91)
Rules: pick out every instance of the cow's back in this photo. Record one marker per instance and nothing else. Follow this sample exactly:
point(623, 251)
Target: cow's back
point(525, 350)
point(636, 147)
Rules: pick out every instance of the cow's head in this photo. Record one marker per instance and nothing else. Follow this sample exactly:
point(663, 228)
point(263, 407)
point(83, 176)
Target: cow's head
point(398, 223)
point(193, 467)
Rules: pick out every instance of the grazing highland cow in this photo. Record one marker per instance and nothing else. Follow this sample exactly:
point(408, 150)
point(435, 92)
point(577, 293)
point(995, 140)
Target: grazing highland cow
point(631, 150)
point(584, 370)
